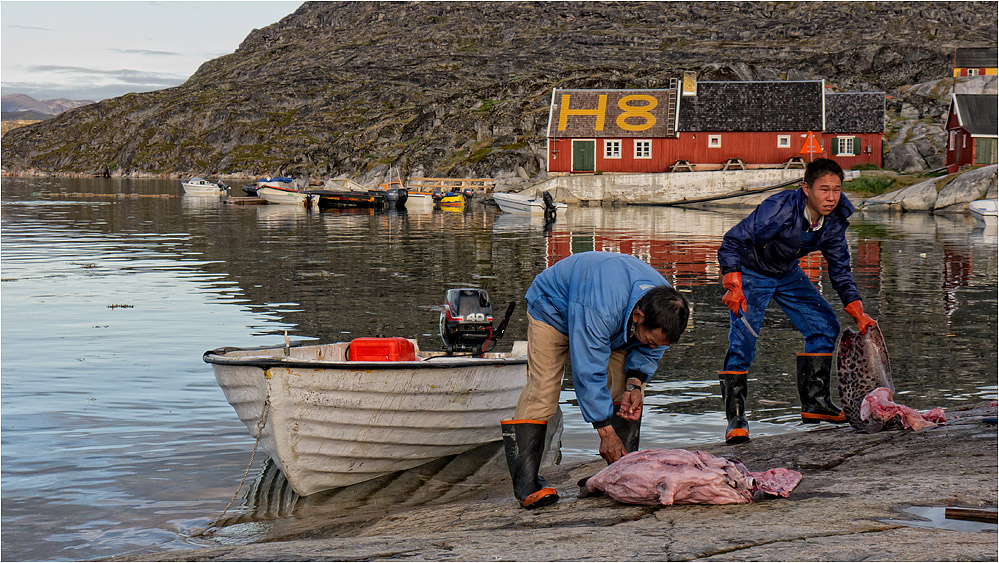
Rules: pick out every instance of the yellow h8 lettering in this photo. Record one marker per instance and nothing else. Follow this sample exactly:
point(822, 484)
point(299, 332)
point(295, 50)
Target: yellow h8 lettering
point(565, 112)
point(640, 111)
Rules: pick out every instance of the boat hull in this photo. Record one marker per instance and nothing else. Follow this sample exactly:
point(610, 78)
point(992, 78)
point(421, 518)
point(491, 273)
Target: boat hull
point(202, 188)
point(516, 203)
point(281, 196)
point(984, 209)
point(332, 423)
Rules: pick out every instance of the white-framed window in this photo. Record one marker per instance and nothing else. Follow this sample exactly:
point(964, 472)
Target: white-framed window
point(612, 149)
point(972, 72)
point(714, 141)
point(953, 135)
point(964, 141)
point(783, 141)
point(845, 146)
point(643, 148)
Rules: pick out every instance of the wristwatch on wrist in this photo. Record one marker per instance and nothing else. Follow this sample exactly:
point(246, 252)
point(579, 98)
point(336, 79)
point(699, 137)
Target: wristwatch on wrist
point(629, 387)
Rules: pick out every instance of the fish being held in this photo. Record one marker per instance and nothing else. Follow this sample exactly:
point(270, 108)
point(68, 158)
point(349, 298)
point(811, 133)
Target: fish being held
point(861, 366)
point(863, 373)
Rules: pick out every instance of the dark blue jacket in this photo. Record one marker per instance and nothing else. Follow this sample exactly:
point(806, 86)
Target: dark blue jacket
point(768, 241)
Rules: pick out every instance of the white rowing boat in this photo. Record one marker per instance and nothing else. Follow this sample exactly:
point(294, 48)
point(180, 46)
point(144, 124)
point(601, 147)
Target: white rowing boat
point(330, 422)
point(518, 203)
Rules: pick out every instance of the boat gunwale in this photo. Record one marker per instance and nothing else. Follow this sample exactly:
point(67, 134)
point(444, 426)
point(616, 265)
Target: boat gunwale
point(217, 357)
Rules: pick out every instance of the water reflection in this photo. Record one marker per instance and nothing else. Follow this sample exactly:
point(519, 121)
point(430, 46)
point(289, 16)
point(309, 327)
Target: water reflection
point(120, 416)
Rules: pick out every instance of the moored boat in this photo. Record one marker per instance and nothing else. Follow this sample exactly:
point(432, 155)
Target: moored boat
point(519, 203)
point(200, 186)
point(330, 422)
point(984, 209)
point(336, 199)
point(281, 191)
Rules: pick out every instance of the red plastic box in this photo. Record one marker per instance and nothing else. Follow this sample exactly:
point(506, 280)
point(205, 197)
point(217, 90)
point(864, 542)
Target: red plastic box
point(394, 349)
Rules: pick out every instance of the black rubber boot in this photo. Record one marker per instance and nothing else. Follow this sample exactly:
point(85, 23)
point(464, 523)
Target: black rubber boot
point(524, 442)
point(734, 387)
point(628, 430)
point(813, 388)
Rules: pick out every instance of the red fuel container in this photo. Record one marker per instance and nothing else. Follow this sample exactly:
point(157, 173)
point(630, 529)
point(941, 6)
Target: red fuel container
point(394, 349)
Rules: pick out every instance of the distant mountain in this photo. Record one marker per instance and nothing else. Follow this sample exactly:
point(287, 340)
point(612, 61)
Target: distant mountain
point(463, 89)
point(22, 103)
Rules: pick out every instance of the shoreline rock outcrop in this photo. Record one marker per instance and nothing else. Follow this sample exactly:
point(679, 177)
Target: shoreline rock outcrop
point(947, 194)
point(854, 503)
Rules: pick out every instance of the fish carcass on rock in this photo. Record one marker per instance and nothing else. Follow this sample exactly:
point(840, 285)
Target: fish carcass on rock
point(879, 408)
point(670, 477)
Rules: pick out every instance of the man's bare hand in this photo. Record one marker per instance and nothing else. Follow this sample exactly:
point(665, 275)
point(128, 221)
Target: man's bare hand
point(631, 404)
point(611, 447)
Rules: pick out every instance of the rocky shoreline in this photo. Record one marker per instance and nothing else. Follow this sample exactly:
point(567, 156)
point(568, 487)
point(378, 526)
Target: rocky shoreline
point(850, 505)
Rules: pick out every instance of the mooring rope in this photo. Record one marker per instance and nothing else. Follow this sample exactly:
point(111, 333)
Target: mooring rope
point(261, 423)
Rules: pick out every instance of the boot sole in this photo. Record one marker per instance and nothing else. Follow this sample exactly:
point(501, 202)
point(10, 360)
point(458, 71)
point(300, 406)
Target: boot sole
point(811, 418)
point(537, 499)
point(737, 436)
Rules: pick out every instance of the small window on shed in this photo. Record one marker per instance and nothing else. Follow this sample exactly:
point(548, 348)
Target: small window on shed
point(783, 141)
point(612, 149)
point(972, 72)
point(714, 141)
point(643, 148)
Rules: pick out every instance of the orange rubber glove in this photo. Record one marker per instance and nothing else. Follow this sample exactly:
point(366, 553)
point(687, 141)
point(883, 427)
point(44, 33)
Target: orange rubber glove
point(864, 321)
point(734, 299)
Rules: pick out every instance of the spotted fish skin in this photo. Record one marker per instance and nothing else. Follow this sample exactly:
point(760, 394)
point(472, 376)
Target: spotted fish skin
point(861, 366)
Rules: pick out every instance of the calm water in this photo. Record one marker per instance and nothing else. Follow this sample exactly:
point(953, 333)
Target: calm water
point(115, 438)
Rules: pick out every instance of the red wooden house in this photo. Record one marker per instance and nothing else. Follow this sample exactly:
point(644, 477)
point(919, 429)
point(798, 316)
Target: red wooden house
point(976, 61)
point(711, 124)
point(972, 130)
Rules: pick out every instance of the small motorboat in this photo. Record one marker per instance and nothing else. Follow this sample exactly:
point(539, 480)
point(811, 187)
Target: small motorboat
point(281, 191)
point(984, 209)
point(336, 199)
point(451, 202)
point(519, 203)
point(331, 415)
point(200, 186)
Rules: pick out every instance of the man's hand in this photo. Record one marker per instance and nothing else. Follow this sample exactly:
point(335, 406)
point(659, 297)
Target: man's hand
point(631, 403)
point(611, 447)
point(864, 321)
point(734, 299)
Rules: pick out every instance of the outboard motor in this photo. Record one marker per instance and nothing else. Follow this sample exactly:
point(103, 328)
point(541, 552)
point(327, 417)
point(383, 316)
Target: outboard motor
point(550, 209)
point(467, 322)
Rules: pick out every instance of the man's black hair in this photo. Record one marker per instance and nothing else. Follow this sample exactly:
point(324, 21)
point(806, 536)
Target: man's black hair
point(819, 168)
point(664, 308)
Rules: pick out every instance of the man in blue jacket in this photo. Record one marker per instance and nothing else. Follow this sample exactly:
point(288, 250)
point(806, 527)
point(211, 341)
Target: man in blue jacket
point(759, 261)
point(612, 316)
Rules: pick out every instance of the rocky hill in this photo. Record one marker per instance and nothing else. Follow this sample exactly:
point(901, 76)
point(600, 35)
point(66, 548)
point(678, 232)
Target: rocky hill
point(463, 88)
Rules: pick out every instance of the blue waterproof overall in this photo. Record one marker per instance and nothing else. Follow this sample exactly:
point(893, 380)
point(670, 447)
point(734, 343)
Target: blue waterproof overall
point(766, 247)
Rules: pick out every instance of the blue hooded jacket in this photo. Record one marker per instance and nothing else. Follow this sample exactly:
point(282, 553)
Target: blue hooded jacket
point(768, 241)
point(589, 297)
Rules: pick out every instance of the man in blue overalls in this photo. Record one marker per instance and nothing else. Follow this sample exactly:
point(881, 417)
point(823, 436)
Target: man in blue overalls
point(759, 261)
point(613, 316)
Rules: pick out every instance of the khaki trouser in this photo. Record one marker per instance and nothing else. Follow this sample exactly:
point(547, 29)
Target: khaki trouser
point(547, 353)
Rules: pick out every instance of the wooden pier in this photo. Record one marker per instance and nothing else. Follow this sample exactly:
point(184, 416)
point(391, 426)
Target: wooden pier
point(480, 185)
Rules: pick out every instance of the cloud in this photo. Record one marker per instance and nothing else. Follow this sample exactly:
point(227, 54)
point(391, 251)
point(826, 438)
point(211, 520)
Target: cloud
point(29, 28)
point(81, 74)
point(145, 52)
point(76, 82)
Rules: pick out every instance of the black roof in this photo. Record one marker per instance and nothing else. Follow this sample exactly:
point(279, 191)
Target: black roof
point(855, 112)
point(978, 113)
point(753, 106)
point(976, 57)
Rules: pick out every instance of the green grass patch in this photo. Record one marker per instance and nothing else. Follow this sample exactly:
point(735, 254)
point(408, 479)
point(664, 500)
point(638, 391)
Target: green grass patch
point(870, 185)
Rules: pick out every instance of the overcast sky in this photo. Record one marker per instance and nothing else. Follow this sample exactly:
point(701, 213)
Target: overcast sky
point(98, 50)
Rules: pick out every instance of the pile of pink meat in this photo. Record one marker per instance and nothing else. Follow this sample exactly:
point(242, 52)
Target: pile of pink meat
point(878, 406)
point(670, 477)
